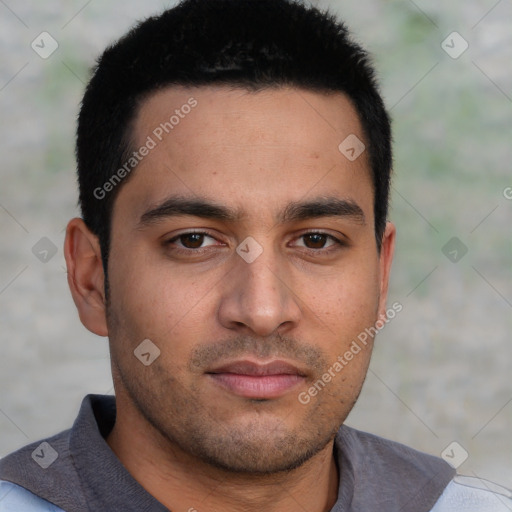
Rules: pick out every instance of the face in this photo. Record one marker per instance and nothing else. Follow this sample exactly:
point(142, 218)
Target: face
point(243, 248)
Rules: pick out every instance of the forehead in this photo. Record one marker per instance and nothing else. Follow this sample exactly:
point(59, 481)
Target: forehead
point(245, 148)
point(259, 113)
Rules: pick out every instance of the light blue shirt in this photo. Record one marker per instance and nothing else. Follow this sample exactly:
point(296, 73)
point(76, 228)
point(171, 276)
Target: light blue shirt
point(463, 494)
point(14, 498)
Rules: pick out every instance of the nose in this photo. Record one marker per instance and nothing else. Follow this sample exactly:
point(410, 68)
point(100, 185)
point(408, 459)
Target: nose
point(259, 297)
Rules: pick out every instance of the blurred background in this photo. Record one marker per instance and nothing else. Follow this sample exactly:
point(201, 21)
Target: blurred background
point(441, 370)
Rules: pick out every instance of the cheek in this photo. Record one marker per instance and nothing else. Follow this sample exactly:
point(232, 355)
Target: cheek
point(154, 301)
point(348, 300)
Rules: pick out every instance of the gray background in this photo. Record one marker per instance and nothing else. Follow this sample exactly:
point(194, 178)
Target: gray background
point(441, 369)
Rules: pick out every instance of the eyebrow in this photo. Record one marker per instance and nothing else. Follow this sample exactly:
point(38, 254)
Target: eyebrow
point(294, 211)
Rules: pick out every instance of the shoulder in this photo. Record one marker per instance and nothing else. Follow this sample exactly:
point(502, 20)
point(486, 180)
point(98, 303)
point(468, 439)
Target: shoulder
point(386, 472)
point(14, 498)
point(33, 475)
point(469, 494)
point(388, 453)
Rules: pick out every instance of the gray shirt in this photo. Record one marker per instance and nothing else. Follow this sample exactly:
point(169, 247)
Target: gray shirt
point(78, 472)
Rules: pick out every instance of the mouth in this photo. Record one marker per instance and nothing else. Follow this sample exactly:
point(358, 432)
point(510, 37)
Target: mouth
point(257, 380)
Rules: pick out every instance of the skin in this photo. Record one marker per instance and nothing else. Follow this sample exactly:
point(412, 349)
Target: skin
point(190, 442)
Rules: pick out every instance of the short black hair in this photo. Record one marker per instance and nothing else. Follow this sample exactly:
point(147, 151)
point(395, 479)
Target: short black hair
point(252, 44)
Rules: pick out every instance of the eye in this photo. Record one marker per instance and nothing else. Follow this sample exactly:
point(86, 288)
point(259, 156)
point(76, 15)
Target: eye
point(189, 241)
point(192, 243)
point(316, 240)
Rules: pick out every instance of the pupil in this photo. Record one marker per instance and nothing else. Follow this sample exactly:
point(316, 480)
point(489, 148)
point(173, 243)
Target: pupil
point(195, 238)
point(317, 239)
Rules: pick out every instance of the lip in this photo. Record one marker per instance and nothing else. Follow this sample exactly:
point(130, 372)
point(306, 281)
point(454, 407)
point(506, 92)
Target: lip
point(251, 379)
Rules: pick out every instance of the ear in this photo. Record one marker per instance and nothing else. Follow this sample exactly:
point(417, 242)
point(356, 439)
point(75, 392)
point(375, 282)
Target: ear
point(386, 258)
point(86, 276)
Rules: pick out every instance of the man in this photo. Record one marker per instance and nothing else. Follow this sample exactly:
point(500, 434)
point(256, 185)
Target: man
point(234, 164)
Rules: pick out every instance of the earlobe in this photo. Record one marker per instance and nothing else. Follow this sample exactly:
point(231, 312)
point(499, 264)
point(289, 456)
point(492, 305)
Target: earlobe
point(85, 275)
point(386, 258)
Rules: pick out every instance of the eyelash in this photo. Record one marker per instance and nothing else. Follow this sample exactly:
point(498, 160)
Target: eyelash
point(316, 252)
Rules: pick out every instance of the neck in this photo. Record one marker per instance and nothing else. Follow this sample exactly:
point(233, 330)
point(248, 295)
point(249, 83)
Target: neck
point(181, 482)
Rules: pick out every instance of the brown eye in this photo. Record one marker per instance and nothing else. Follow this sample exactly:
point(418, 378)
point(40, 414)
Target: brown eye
point(315, 240)
point(192, 240)
point(318, 243)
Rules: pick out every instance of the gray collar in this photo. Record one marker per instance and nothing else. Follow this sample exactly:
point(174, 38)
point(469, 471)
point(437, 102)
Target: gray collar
point(87, 475)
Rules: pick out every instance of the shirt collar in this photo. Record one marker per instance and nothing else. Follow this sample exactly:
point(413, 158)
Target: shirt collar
point(97, 465)
point(373, 472)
